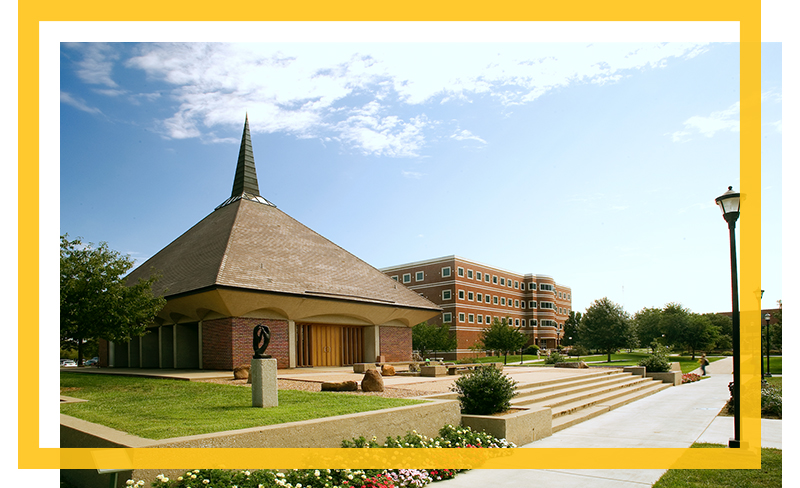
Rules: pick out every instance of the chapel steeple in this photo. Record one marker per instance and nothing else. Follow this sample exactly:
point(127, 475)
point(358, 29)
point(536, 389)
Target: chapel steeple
point(245, 181)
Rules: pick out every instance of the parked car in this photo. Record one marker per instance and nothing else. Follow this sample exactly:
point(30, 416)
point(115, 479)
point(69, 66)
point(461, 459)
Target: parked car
point(68, 363)
point(91, 362)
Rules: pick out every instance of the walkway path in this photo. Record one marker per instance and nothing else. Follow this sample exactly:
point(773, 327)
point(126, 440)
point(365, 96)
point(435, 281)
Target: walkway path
point(675, 417)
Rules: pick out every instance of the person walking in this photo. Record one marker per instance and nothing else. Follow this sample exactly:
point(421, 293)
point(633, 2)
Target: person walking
point(703, 364)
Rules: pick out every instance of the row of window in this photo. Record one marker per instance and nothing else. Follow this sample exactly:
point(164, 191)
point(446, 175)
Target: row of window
point(420, 276)
point(470, 296)
point(469, 318)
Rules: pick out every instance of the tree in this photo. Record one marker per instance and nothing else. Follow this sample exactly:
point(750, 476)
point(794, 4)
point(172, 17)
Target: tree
point(96, 301)
point(571, 329)
point(674, 324)
point(500, 336)
point(724, 326)
point(648, 325)
point(427, 337)
point(605, 327)
point(700, 333)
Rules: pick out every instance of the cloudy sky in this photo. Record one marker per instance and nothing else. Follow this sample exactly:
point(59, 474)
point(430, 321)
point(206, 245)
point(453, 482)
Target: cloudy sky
point(594, 163)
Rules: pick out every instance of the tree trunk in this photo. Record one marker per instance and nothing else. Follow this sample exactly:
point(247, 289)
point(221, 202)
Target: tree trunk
point(80, 353)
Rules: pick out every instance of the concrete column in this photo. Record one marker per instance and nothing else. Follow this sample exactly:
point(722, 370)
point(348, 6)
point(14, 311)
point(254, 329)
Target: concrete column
point(200, 345)
point(175, 346)
point(160, 361)
point(140, 350)
point(292, 345)
point(264, 377)
point(372, 343)
point(110, 354)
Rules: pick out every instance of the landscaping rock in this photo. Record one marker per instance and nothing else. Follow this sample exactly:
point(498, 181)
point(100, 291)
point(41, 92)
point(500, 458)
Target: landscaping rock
point(241, 373)
point(387, 370)
point(340, 386)
point(372, 381)
point(578, 364)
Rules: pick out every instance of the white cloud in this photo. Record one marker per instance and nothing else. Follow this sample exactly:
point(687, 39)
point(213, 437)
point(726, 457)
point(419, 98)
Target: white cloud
point(367, 96)
point(722, 120)
point(78, 103)
point(412, 174)
point(465, 135)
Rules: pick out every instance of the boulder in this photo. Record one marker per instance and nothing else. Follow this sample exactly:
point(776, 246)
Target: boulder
point(341, 386)
point(387, 370)
point(241, 373)
point(372, 381)
point(579, 364)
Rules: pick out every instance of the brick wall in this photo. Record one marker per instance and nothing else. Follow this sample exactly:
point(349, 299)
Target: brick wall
point(395, 343)
point(228, 342)
point(102, 352)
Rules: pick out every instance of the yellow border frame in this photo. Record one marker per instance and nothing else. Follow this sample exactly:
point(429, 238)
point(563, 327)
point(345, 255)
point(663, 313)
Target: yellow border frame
point(746, 12)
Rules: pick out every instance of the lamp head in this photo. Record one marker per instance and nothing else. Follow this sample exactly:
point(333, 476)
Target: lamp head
point(729, 204)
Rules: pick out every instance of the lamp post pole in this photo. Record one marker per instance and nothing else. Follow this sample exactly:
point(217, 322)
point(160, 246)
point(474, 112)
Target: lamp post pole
point(768, 375)
point(729, 204)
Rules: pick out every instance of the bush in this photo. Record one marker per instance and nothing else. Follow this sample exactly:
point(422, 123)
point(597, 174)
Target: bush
point(578, 350)
point(531, 350)
point(771, 401)
point(657, 362)
point(554, 358)
point(484, 391)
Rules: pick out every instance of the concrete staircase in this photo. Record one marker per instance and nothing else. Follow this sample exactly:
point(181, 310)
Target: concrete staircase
point(576, 399)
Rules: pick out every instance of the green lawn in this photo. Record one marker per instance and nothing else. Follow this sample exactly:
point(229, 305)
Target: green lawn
point(632, 359)
point(775, 364)
point(768, 476)
point(160, 409)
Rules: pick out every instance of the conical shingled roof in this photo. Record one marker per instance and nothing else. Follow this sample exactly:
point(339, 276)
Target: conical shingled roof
point(250, 244)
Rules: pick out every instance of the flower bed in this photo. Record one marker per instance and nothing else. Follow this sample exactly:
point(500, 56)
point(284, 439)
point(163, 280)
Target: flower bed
point(449, 436)
point(690, 378)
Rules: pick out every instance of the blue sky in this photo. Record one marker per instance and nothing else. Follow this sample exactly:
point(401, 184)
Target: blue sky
point(594, 163)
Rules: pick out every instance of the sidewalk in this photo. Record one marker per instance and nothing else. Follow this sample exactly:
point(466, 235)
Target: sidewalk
point(674, 418)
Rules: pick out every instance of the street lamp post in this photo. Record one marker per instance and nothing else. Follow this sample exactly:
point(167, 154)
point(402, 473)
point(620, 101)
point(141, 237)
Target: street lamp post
point(729, 204)
point(767, 317)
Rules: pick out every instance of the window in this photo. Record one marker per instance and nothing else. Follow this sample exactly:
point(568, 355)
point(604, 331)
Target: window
point(531, 304)
point(533, 322)
point(470, 296)
point(461, 316)
point(559, 295)
point(407, 278)
point(447, 317)
point(446, 272)
point(480, 297)
point(522, 286)
point(460, 294)
point(532, 286)
point(494, 279)
point(522, 303)
point(523, 322)
point(420, 276)
point(569, 296)
point(486, 277)
point(395, 278)
point(516, 303)
point(516, 322)
point(549, 305)
point(516, 284)
point(494, 299)
point(471, 318)
point(502, 281)
point(447, 294)
point(546, 287)
point(488, 319)
point(480, 319)
point(461, 272)
point(503, 301)
point(478, 275)
point(469, 273)
point(509, 283)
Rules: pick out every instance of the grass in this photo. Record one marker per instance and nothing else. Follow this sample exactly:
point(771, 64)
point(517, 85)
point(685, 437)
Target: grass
point(768, 476)
point(632, 359)
point(161, 409)
point(775, 364)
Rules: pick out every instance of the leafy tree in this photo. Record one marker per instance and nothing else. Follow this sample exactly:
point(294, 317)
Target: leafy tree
point(700, 333)
point(776, 330)
point(605, 327)
point(96, 301)
point(674, 324)
point(648, 325)
point(724, 326)
point(500, 336)
point(571, 329)
point(427, 337)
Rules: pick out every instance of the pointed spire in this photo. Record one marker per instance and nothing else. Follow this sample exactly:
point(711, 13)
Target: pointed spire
point(245, 180)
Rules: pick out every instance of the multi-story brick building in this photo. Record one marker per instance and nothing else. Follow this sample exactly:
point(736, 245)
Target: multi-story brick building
point(473, 294)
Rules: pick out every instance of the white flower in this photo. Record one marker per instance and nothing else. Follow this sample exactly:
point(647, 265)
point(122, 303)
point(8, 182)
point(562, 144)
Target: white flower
point(129, 482)
point(180, 478)
point(205, 482)
point(316, 472)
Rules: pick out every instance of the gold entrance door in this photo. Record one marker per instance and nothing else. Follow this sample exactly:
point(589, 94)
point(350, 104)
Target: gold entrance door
point(326, 343)
point(329, 345)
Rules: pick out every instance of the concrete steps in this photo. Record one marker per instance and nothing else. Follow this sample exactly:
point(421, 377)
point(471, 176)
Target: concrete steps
point(574, 400)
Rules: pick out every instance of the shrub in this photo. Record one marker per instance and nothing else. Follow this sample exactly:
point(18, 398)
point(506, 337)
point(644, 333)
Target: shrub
point(578, 350)
point(531, 350)
point(553, 358)
point(484, 391)
point(690, 378)
point(657, 362)
point(771, 401)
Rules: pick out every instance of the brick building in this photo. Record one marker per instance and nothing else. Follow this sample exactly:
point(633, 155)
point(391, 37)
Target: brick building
point(248, 263)
point(472, 295)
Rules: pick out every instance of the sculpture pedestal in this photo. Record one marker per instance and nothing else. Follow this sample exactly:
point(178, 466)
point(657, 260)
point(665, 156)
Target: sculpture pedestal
point(264, 376)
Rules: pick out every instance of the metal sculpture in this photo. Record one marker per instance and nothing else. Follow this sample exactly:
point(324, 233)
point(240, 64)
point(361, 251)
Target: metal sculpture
point(261, 337)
